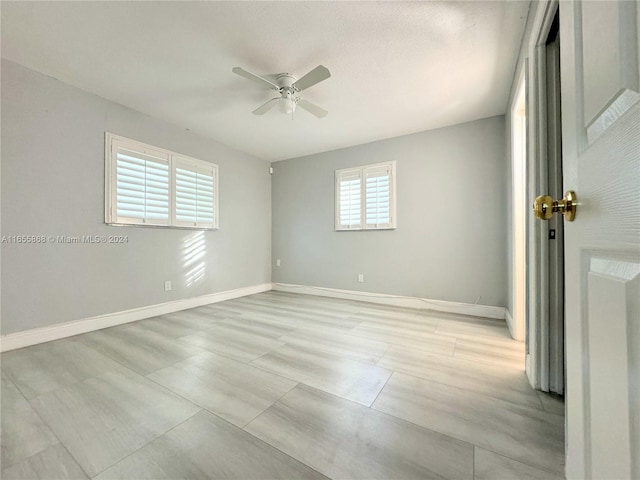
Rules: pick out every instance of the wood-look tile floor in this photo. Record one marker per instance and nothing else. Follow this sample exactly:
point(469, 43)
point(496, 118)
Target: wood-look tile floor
point(280, 385)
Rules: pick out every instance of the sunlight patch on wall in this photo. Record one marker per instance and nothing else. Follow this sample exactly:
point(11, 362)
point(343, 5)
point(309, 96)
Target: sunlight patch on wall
point(194, 249)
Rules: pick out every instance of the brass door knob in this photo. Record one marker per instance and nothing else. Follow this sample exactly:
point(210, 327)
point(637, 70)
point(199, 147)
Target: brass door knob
point(544, 206)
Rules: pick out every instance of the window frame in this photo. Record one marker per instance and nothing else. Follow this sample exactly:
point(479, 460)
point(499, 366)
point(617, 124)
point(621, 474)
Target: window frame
point(113, 143)
point(362, 172)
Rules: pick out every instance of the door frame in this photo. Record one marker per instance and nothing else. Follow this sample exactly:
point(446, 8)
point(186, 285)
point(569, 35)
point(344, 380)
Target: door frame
point(536, 364)
point(517, 322)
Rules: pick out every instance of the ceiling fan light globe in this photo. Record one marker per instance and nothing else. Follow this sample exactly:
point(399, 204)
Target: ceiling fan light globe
point(287, 105)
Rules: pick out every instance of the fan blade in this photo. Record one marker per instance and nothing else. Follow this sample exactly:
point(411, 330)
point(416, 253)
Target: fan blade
point(312, 108)
point(266, 107)
point(252, 76)
point(316, 75)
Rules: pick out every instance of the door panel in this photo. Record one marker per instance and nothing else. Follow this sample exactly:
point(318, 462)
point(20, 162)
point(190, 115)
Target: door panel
point(610, 62)
point(601, 162)
point(612, 294)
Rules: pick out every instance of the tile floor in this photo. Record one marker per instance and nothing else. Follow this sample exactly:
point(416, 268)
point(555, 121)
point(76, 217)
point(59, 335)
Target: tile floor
point(280, 385)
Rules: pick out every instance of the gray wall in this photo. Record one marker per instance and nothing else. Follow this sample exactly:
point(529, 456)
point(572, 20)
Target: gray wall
point(53, 184)
point(450, 243)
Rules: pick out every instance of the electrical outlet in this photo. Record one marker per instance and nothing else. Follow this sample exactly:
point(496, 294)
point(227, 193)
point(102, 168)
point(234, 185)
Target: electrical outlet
point(277, 262)
point(361, 277)
point(167, 286)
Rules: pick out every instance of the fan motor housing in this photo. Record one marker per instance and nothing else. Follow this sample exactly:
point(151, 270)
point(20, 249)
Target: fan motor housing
point(285, 80)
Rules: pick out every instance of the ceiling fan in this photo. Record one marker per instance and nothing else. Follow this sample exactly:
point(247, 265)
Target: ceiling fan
point(288, 87)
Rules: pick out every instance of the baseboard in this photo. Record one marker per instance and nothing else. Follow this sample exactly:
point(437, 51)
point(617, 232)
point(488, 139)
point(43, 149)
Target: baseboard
point(396, 300)
point(529, 372)
point(34, 336)
point(509, 319)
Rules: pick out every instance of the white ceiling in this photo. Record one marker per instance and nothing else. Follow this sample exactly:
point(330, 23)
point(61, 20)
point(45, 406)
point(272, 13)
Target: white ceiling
point(397, 67)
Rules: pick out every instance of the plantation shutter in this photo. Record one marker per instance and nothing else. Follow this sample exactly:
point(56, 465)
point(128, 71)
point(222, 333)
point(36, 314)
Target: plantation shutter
point(378, 196)
point(142, 187)
point(349, 199)
point(365, 197)
point(195, 193)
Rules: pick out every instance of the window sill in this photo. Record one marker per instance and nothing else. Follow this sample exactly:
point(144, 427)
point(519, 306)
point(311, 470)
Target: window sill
point(173, 227)
point(363, 229)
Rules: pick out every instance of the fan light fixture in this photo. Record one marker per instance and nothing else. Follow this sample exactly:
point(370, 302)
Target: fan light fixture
point(288, 87)
point(287, 105)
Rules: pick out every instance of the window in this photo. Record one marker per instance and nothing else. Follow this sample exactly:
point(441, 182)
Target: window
point(365, 197)
point(194, 189)
point(146, 185)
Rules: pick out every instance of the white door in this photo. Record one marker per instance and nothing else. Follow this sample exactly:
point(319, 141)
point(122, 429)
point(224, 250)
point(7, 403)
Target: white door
point(601, 162)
